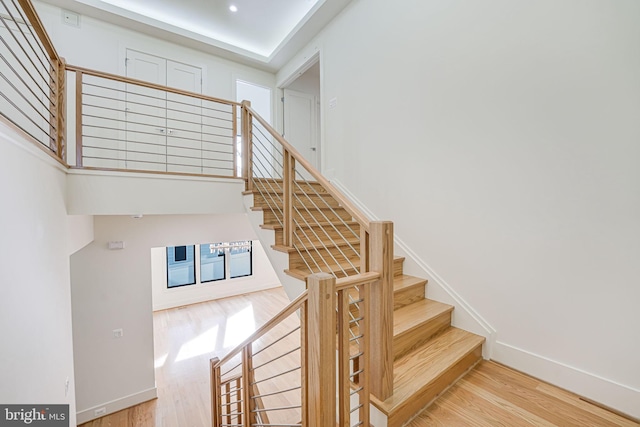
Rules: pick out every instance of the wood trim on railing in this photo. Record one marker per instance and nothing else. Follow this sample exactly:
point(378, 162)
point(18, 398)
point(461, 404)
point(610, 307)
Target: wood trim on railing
point(247, 150)
point(79, 119)
point(381, 309)
point(344, 362)
point(216, 402)
point(345, 203)
point(122, 79)
point(36, 23)
point(321, 350)
point(247, 364)
point(288, 176)
point(61, 111)
point(357, 279)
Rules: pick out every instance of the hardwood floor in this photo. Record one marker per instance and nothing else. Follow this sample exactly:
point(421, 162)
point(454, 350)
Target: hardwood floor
point(185, 339)
point(491, 395)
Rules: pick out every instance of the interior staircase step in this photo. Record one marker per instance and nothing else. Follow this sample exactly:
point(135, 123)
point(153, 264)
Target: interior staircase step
point(407, 289)
point(424, 373)
point(417, 323)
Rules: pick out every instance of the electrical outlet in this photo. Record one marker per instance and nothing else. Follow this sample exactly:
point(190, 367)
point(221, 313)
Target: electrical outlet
point(100, 411)
point(118, 333)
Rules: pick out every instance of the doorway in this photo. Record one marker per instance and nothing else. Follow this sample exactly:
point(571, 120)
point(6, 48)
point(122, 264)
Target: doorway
point(301, 112)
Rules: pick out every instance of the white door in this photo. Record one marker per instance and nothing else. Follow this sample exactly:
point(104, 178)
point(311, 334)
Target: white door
point(164, 130)
point(301, 124)
point(146, 123)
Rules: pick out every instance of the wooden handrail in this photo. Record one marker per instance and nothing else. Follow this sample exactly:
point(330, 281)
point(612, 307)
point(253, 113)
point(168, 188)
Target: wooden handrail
point(284, 313)
point(122, 79)
point(36, 23)
point(345, 203)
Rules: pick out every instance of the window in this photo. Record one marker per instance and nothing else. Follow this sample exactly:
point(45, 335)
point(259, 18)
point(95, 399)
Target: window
point(212, 262)
point(240, 262)
point(181, 267)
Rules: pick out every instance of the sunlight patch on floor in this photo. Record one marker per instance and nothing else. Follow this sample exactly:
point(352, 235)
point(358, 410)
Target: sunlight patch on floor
point(239, 327)
point(203, 343)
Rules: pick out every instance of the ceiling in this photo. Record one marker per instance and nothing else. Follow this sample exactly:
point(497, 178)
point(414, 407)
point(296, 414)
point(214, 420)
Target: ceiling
point(262, 33)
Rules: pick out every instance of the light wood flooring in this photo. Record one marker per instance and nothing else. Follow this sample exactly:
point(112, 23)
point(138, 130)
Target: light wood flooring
point(186, 338)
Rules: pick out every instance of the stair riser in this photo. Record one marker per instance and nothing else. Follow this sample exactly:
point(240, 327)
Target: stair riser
point(408, 296)
point(431, 391)
point(419, 335)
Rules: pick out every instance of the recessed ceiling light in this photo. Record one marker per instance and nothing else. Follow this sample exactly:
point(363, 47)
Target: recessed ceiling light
point(233, 8)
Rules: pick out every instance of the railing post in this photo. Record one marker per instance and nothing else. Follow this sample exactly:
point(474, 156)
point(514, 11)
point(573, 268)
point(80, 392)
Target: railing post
point(79, 119)
point(234, 142)
point(216, 402)
point(247, 155)
point(381, 309)
point(61, 112)
point(321, 350)
point(247, 390)
point(288, 176)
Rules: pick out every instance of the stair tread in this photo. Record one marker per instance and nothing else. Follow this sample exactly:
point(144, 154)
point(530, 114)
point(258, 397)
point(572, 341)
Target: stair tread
point(405, 281)
point(425, 364)
point(414, 315)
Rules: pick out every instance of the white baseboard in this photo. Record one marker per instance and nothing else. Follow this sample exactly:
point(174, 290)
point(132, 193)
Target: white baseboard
point(464, 316)
point(116, 405)
point(604, 391)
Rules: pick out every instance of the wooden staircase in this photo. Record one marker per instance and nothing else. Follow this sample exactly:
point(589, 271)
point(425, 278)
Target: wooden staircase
point(429, 354)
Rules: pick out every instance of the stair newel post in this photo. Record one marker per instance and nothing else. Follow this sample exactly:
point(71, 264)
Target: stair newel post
point(321, 350)
point(288, 176)
point(247, 152)
point(381, 309)
point(216, 401)
point(248, 417)
point(364, 249)
point(79, 153)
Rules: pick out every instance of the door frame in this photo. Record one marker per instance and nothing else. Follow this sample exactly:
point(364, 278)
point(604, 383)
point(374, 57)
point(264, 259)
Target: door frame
point(307, 63)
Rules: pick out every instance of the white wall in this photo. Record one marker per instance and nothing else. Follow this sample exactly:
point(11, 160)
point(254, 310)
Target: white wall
point(501, 137)
point(111, 289)
point(263, 277)
point(121, 193)
point(36, 358)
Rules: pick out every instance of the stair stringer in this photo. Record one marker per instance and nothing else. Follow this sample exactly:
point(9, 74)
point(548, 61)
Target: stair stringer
point(464, 316)
point(279, 260)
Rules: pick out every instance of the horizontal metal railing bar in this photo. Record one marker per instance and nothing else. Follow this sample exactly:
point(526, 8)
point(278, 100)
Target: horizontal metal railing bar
point(19, 92)
point(25, 115)
point(115, 77)
point(120, 150)
point(276, 425)
point(125, 111)
point(276, 392)
point(156, 133)
point(24, 67)
point(233, 390)
point(359, 371)
point(346, 203)
point(25, 21)
point(130, 102)
point(282, 408)
point(43, 37)
point(165, 99)
point(356, 408)
point(356, 337)
point(276, 358)
point(22, 129)
point(230, 370)
point(133, 141)
point(276, 341)
point(277, 375)
point(358, 390)
point(24, 35)
point(235, 402)
point(355, 356)
point(283, 314)
point(23, 50)
point(233, 414)
point(355, 320)
point(27, 85)
point(155, 171)
point(157, 163)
